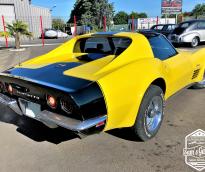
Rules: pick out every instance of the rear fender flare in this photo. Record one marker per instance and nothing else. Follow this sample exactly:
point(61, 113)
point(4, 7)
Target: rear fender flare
point(123, 93)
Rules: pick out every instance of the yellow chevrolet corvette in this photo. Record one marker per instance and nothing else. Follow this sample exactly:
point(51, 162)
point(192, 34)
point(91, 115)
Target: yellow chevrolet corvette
point(102, 81)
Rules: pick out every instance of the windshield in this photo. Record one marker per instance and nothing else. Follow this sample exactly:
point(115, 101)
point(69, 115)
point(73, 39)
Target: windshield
point(181, 28)
point(98, 47)
point(168, 28)
point(157, 27)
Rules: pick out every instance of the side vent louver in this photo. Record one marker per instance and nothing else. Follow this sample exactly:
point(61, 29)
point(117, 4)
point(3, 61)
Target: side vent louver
point(196, 73)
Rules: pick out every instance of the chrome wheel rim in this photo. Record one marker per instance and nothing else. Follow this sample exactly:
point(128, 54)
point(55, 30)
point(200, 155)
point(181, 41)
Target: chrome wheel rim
point(154, 114)
point(195, 42)
point(202, 82)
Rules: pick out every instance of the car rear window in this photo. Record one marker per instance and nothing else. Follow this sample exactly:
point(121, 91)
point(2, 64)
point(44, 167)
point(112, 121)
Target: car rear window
point(102, 45)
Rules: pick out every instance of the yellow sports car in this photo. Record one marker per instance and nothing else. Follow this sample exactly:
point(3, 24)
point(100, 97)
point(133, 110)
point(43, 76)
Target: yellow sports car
point(102, 81)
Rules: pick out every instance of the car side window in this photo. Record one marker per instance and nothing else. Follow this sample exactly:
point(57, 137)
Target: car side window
point(169, 27)
point(201, 25)
point(173, 27)
point(158, 27)
point(161, 47)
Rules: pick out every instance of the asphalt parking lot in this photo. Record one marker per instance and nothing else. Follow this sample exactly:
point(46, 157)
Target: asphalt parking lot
point(27, 145)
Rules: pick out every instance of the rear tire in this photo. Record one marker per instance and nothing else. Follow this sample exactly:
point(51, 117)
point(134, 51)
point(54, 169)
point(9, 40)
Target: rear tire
point(150, 115)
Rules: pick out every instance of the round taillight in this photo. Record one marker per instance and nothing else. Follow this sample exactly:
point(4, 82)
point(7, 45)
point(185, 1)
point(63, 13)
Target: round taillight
point(51, 101)
point(10, 89)
point(66, 106)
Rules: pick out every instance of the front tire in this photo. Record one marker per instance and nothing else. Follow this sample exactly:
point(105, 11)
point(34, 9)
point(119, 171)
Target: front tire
point(199, 85)
point(195, 42)
point(150, 115)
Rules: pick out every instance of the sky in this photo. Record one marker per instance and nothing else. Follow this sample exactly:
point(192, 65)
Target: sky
point(151, 7)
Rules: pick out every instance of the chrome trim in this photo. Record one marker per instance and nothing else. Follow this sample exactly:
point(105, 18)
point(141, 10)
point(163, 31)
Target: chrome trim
point(70, 123)
point(54, 119)
point(11, 103)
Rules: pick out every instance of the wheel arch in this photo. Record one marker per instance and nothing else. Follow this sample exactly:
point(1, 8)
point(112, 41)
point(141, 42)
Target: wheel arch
point(160, 82)
point(198, 37)
point(187, 38)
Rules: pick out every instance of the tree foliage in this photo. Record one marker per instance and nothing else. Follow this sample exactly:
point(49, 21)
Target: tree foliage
point(58, 24)
point(142, 15)
point(121, 18)
point(137, 15)
point(3, 34)
point(16, 29)
point(198, 10)
point(91, 12)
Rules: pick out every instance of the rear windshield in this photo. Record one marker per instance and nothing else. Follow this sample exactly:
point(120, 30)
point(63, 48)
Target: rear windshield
point(98, 47)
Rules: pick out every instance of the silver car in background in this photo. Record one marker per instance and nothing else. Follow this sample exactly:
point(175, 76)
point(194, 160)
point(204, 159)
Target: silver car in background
point(192, 32)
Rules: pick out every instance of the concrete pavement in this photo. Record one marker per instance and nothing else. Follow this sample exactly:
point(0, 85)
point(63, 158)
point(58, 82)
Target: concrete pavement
point(27, 145)
point(34, 41)
point(9, 58)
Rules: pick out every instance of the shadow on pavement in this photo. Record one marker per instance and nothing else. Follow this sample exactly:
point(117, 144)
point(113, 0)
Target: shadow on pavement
point(125, 134)
point(188, 46)
point(34, 129)
point(5, 48)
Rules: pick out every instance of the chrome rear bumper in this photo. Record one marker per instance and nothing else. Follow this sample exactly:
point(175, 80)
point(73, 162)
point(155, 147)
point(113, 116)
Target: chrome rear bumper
point(11, 103)
point(52, 119)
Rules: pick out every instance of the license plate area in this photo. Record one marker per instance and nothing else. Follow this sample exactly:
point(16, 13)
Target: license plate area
point(30, 109)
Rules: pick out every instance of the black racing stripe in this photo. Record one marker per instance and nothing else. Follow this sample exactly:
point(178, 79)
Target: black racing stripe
point(52, 75)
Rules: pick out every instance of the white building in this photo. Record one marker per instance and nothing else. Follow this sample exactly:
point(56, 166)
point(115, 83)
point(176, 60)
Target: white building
point(23, 10)
point(147, 23)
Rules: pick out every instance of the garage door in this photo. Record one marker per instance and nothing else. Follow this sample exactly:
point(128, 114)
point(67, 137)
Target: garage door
point(9, 14)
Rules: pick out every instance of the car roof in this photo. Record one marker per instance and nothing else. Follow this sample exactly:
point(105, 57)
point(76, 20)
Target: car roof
point(118, 33)
point(105, 33)
point(131, 35)
point(163, 24)
point(149, 32)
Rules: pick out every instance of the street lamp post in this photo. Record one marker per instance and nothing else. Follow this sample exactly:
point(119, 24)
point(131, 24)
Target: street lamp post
point(51, 10)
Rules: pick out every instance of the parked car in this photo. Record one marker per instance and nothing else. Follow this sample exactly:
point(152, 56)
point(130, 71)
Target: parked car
point(191, 32)
point(52, 33)
point(61, 34)
point(102, 81)
point(164, 29)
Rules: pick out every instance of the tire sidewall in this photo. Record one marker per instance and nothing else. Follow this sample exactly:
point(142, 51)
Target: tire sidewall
point(192, 43)
point(140, 126)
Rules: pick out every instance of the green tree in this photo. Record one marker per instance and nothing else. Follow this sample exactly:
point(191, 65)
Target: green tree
point(3, 34)
point(91, 12)
point(137, 15)
point(187, 14)
point(142, 15)
point(121, 18)
point(198, 10)
point(134, 14)
point(16, 29)
point(58, 24)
